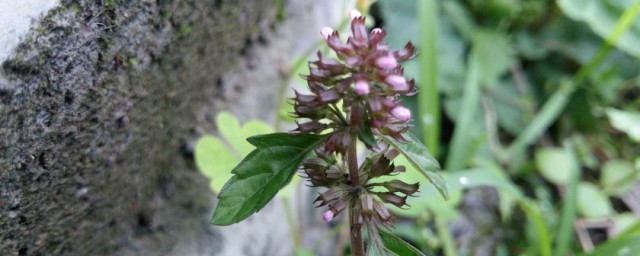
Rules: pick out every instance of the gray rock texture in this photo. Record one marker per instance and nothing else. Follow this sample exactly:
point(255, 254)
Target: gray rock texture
point(99, 107)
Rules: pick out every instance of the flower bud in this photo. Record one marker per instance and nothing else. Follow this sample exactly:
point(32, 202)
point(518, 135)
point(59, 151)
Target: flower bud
point(398, 82)
point(382, 213)
point(399, 186)
point(367, 205)
point(401, 113)
point(328, 215)
point(362, 87)
point(386, 62)
point(329, 96)
point(353, 14)
point(391, 154)
point(311, 127)
point(406, 53)
point(353, 61)
point(326, 32)
point(391, 198)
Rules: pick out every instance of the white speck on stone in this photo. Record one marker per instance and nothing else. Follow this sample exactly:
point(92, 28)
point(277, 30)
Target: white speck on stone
point(464, 180)
point(16, 18)
point(12, 214)
point(82, 192)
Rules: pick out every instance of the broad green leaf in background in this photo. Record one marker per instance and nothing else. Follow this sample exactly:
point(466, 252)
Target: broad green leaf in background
point(214, 160)
point(618, 176)
point(398, 246)
point(602, 15)
point(228, 126)
point(261, 174)
point(400, 18)
point(626, 121)
point(555, 164)
point(215, 157)
point(495, 55)
point(592, 203)
point(419, 157)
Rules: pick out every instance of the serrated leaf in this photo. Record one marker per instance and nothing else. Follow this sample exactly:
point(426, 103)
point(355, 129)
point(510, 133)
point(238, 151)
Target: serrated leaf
point(419, 157)
point(261, 174)
point(398, 246)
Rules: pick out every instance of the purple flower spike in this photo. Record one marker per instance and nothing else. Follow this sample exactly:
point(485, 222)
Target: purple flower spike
point(387, 62)
point(399, 83)
point(327, 216)
point(362, 87)
point(354, 14)
point(326, 32)
point(401, 113)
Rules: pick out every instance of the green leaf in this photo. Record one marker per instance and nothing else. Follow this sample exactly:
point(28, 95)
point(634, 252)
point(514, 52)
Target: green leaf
point(626, 121)
point(617, 176)
point(419, 157)
point(568, 215)
point(229, 128)
point(214, 160)
point(494, 55)
point(602, 16)
point(555, 164)
point(216, 156)
point(592, 203)
point(262, 174)
point(460, 146)
point(397, 245)
point(366, 135)
point(620, 246)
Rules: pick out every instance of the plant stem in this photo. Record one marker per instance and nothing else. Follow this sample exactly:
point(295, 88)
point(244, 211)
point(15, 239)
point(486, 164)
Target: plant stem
point(355, 231)
point(292, 223)
point(446, 237)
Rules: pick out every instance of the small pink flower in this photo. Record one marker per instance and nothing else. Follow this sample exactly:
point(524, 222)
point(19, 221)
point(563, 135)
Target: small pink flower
point(362, 87)
point(354, 14)
point(376, 31)
point(387, 62)
point(401, 113)
point(326, 32)
point(327, 216)
point(398, 82)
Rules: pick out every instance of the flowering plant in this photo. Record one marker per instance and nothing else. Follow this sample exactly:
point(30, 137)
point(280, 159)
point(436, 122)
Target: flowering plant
point(352, 98)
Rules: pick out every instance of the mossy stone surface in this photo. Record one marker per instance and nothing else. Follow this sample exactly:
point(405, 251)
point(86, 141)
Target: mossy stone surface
point(96, 116)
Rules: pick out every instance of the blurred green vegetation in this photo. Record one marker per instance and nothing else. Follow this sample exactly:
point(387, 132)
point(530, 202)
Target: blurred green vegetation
point(531, 106)
point(539, 101)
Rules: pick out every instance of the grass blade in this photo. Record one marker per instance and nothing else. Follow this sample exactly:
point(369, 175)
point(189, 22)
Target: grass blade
point(460, 144)
point(429, 96)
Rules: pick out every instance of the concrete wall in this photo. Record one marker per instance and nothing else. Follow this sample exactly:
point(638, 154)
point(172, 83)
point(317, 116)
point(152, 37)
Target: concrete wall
point(100, 103)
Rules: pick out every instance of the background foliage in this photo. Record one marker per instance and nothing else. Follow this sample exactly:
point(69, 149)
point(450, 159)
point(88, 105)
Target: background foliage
point(533, 101)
